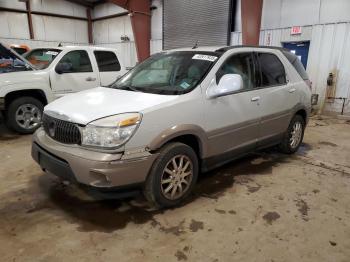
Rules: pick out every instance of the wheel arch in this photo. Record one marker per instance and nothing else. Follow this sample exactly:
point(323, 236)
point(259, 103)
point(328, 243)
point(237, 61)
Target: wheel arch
point(190, 135)
point(35, 93)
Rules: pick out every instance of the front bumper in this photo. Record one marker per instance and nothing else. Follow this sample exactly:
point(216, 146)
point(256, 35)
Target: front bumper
point(96, 169)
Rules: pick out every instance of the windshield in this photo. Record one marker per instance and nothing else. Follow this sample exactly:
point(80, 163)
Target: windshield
point(9, 62)
point(41, 58)
point(171, 73)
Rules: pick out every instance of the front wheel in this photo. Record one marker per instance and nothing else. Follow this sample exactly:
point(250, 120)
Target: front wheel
point(173, 176)
point(24, 115)
point(294, 136)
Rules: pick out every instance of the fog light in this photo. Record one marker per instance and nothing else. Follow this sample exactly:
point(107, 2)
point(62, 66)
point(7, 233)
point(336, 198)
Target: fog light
point(100, 180)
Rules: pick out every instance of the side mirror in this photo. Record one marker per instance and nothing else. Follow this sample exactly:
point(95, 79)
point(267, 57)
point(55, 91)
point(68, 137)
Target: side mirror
point(228, 84)
point(62, 68)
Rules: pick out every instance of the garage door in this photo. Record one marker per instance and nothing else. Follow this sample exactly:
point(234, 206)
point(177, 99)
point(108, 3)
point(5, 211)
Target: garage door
point(187, 21)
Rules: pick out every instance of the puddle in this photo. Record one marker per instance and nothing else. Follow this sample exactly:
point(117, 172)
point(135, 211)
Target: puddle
point(303, 208)
point(304, 149)
point(325, 143)
point(270, 217)
point(196, 225)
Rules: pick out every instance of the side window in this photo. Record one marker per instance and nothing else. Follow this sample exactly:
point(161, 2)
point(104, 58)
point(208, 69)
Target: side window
point(107, 61)
point(272, 70)
point(241, 64)
point(78, 60)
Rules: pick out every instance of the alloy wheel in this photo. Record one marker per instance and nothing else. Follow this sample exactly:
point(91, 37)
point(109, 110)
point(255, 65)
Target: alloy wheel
point(177, 177)
point(28, 116)
point(296, 134)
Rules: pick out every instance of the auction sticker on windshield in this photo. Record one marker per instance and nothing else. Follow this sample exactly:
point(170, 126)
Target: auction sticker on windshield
point(51, 53)
point(204, 57)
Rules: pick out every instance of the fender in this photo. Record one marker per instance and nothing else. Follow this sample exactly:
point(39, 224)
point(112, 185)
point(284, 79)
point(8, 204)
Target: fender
point(22, 81)
point(181, 130)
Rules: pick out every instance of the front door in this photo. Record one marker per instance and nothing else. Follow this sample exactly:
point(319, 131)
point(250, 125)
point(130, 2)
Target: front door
point(232, 121)
point(80, 75)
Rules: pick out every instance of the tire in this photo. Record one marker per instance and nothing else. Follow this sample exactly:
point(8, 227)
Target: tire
point(286, 145)
point(155, 191)
point(22, 107)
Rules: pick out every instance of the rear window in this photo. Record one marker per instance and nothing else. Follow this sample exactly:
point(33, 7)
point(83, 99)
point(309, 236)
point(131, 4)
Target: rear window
point(107, 61)
point(272, 70)
point(294, 60)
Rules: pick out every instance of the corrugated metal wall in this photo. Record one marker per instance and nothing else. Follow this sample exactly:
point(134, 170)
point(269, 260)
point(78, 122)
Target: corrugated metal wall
point(108, 32)
point(47, 30)
point(329, 51)
point(186, 22)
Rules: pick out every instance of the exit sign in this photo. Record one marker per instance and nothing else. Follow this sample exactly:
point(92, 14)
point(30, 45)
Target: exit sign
point(296, 30)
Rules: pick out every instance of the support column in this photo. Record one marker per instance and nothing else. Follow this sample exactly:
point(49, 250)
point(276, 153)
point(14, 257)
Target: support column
point(30, 22)
point(251, 21)
point(89, 21)
point(140, 16)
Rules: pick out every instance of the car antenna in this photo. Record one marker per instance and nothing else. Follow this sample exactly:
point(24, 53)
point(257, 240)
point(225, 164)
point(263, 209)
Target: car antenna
point(195, 45)
point(60, 45)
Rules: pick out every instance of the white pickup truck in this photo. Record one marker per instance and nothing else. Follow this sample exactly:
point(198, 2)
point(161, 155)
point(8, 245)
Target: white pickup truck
point(44, 74)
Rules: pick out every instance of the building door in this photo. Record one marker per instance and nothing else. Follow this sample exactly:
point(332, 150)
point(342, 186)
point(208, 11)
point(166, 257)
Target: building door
point(300, 49)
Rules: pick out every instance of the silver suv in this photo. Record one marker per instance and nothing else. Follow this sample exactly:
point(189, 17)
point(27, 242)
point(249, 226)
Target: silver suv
point(179, 113)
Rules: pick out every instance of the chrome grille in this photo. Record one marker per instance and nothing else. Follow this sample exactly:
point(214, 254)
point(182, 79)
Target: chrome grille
point(61, 131)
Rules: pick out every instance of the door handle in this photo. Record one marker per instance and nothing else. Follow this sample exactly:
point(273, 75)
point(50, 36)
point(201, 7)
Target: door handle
point(292, 90)
point(90, 78)
point(255, 98)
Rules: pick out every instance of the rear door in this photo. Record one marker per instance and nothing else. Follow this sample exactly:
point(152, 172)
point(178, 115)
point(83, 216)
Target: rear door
point(277, 96)
point(81, 76)
point(108, 65)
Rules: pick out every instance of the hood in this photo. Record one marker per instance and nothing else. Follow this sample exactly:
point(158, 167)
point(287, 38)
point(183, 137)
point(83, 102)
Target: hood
point(96, 103)
point(22, 77)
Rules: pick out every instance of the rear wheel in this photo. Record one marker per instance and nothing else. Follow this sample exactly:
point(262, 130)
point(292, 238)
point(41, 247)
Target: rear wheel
point(173, 176)
point(294, 136)
point(24, 115)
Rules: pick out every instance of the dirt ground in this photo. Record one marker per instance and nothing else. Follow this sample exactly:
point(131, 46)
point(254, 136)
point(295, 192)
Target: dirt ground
point(265, 207)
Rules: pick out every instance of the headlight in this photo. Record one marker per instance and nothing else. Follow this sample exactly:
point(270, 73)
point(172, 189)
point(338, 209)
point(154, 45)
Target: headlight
point(110, 132)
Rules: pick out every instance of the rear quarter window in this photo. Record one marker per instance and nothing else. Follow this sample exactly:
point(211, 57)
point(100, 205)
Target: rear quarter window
point(107, 61)
point(294, 60)
point(271, 70)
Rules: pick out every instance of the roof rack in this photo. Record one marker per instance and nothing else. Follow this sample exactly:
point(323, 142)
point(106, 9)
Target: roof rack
point(224, 49)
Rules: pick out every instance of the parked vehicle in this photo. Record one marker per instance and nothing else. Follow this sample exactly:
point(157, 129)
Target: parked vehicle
point(176, 114)
point(20, 49)
point(30, 82)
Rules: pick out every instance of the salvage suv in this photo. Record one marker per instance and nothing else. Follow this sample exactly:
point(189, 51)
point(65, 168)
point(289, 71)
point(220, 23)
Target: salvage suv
point(178, 113)
point(28, 83)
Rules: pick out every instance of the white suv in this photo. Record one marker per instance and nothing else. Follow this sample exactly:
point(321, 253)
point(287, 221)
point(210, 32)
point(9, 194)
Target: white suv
point(179, 113)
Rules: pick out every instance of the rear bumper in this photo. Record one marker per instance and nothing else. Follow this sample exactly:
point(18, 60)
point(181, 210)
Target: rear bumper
point(94, 169)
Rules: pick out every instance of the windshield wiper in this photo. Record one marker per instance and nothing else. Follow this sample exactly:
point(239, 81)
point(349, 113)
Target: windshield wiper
point(127, 87)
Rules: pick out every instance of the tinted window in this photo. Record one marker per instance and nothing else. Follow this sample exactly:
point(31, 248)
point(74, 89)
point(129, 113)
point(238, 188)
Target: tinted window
point(295, 61)
point(79, 60)
point(42, 57)
point(241, 64)
point(19, 50)
point(107, 61)
point(272, 70)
